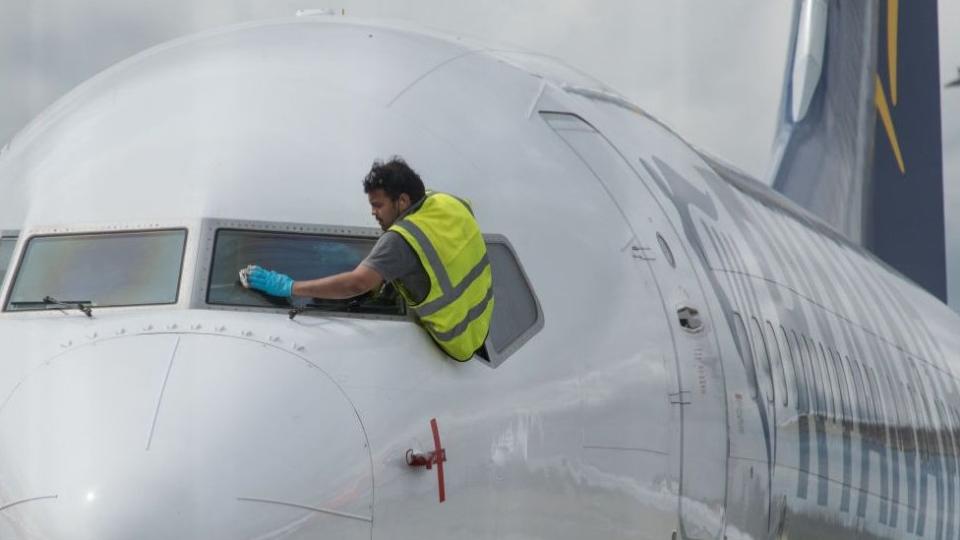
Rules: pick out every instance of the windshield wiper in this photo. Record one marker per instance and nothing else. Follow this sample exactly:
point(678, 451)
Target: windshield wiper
point(326, 306)
point(332, 305)
point(82, 305)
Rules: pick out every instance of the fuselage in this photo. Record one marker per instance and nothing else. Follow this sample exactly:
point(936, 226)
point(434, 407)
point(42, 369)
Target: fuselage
point(704, 358)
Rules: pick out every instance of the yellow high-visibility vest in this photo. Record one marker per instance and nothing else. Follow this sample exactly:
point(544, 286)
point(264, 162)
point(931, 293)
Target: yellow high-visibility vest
point(446, 238)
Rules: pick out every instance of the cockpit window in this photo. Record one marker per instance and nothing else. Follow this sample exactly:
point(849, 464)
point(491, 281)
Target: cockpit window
point(300, 256)
point(103, 269)
point(517, 315)
point(6, 251)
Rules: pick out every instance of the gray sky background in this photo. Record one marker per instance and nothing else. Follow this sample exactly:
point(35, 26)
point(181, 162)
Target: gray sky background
point(712, 70)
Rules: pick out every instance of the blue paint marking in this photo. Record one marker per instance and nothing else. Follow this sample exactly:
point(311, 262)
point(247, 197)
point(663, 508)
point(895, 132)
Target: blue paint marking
point(803, 476)
point(847, 468)
point(823, 464)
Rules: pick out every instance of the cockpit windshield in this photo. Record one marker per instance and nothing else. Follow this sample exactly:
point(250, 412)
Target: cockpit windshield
point(299, 255)
point(103, 269)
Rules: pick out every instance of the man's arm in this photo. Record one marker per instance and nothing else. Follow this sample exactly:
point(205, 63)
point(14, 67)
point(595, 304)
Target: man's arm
point(385, 261)
point(340, 286)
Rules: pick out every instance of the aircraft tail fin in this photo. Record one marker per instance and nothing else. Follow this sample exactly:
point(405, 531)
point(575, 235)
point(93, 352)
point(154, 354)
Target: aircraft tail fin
point(859, 137)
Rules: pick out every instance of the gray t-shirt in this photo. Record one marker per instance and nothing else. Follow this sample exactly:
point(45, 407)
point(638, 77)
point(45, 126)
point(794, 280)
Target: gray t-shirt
point(394, 259)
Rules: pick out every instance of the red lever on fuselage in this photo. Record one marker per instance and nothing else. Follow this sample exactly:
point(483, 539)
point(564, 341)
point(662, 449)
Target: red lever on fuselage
point(438, 456)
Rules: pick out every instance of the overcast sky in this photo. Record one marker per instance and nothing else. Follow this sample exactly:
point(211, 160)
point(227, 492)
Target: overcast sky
point(950, 106)
point(712, 70)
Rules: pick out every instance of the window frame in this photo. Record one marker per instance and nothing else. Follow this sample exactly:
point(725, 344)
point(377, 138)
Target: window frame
point(877, 398)
point(868, 389)
point(780, 385)
point(208, 238)
point(945, 428)
point(831, 382)
point(845, 410)
point(19, 255)
point(497, 357)
point(767, 366)
point(788, 358)
point(856, 414)
point(742, 335)
point(7, 235)
point(882, 416)
point(913, 420)
point(888, 399)
point(208, 275)
point(804, 392)
point(819, 382)
point(863, 397)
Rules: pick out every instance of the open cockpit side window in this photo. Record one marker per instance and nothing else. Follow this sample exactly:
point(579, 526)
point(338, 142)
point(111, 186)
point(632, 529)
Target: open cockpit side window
point(299, 255)
point(517, 315)
point(110, 269)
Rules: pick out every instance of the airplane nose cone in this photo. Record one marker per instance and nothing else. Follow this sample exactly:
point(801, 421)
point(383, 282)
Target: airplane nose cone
point(182, 436)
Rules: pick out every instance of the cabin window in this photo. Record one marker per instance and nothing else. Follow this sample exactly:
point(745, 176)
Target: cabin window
point(912, 417)
point(748, 362)
point(869, 405)
point(300, 256)
point(779, 378)
point(829, 382)
point(517, 315)
point(928, 412)
point(7, 244)
point(888, 390)
point(789, 367)
point(803, 384)
point(875, 392)
point(762, 354)
point(844, 394)
point(922, 410)
point(99, 270)
point(862, 396)
point(946, 427)
point(925, 395)
point(878, 396)
point(893, 395)
point(852, 391)
point(826, 393)
point(819, 378)
point(919, 425)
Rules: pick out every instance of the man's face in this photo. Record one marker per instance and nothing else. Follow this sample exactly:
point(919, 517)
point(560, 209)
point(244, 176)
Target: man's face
point(386, 210)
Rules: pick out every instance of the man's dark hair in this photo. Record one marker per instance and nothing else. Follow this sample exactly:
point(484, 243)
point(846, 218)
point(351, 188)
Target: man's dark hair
point(394, 177)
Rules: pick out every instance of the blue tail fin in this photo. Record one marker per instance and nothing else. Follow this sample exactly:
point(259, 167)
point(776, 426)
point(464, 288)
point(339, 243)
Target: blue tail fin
point(859, 137)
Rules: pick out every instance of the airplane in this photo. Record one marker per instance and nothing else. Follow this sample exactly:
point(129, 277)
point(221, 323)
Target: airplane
point(677, 350)
point(955, 82)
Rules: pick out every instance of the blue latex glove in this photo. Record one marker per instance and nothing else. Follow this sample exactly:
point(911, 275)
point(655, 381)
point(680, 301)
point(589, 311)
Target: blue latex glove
point(270, 282)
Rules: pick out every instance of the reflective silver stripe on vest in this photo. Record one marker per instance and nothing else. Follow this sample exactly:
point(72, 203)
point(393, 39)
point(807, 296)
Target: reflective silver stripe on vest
point(438, 269)
point(447, 299)
point(472, 315)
